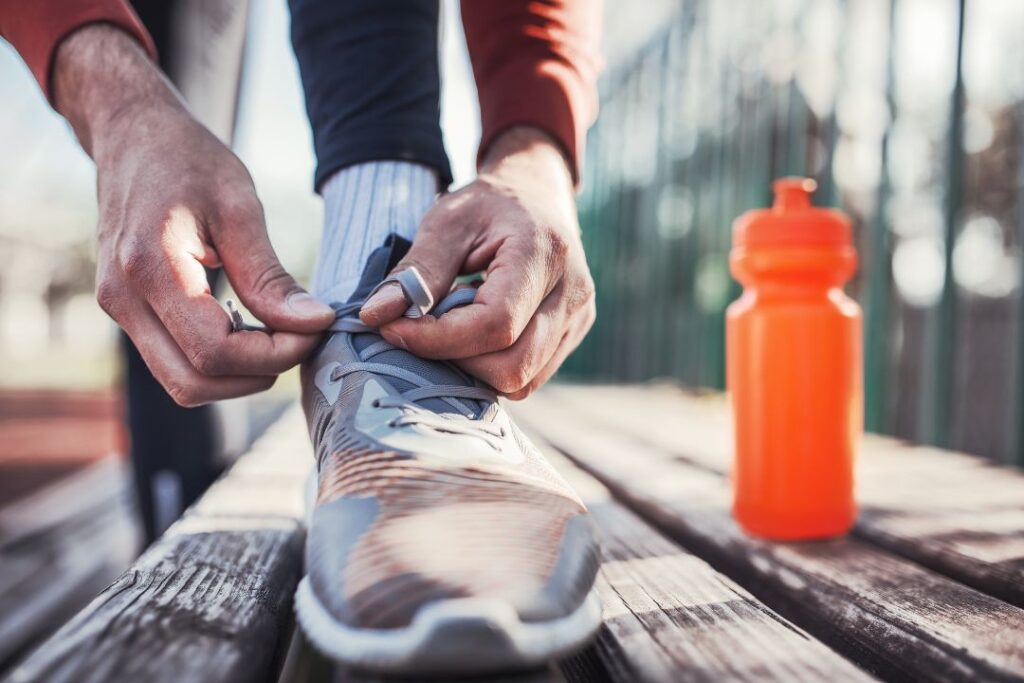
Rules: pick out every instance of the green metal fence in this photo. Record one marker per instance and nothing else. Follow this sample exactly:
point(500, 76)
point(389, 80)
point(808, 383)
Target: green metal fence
point(907, 112)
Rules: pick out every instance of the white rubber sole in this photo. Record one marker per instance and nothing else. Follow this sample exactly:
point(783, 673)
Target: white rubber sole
point(467, 635)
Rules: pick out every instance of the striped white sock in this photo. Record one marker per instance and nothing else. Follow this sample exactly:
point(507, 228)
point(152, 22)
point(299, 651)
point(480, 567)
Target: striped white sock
point(362, 205)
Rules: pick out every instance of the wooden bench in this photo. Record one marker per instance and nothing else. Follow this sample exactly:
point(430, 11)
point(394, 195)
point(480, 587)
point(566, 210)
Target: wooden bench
point(927, 588)
point(59, 546)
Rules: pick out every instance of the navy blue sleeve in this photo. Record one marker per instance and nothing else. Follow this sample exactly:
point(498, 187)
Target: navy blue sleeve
point(371, 78)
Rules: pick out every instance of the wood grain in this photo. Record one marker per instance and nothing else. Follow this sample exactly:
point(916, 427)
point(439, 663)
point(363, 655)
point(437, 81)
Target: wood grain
point(668, 616)
point(211, 600)
point(956, 514)
point(888, 614)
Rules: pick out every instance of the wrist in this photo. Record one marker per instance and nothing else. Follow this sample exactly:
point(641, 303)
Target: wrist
point(101, 76)
point(528, 149)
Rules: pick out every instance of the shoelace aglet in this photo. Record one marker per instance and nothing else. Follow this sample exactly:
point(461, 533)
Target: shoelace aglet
point(237, 323)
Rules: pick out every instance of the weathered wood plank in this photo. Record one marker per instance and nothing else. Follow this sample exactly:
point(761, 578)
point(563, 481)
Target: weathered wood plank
point(58, 548)
point(888, 614)
point(953, 513)
point(211, 600)
point(668, 616)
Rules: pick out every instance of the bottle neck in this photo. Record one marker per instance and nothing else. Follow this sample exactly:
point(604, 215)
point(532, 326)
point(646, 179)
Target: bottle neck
point(794, 271)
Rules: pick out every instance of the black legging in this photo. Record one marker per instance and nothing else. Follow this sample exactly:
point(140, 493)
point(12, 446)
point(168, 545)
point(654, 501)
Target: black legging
point(371, 77)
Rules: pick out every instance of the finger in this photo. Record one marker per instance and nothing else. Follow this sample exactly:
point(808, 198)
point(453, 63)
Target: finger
point(178, 292)
point(568, 344)
point(258, 277)
point(518, 278)
point(438, 253)
point(173, 370)
point(511, 369)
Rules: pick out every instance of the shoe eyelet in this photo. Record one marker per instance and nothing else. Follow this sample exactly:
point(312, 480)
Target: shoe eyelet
point(375, 403)
point(392, 423)
point(502, 432)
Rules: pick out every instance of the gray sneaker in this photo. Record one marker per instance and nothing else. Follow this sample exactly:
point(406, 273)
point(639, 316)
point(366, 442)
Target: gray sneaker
point(441, 541)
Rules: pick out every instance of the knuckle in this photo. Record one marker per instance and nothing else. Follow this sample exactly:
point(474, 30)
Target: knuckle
point(136, 262)
point(589, 315)
point(522, 393)
point(208, 360)
point(581, 295)
point(270, 276)
point(500, 331)
point(588, 290)
point(109, 296)
point(557, 245)
point(511, 381)
point(502, 385)
point(183, 393)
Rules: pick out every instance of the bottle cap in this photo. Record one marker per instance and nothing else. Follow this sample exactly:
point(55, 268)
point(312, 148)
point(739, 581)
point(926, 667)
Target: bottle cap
point(792, 221)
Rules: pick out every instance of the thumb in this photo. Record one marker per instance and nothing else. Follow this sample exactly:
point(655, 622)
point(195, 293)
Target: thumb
point(267, 289)
point(436, 261)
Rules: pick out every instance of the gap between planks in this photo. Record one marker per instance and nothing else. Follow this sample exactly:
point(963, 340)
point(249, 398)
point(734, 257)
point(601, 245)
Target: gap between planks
point(669, 616)
point(954, 513)
point(889, 615)
point(211, 599)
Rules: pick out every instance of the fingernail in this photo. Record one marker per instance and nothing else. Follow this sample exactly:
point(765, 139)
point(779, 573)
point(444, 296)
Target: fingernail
point(389, 295)
point(307, 306)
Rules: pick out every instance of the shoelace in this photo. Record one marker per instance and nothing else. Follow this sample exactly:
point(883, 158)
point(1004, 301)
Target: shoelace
point(413, 414)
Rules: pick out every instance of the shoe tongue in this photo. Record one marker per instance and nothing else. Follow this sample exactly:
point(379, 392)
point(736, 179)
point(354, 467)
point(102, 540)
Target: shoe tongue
point(381, 262)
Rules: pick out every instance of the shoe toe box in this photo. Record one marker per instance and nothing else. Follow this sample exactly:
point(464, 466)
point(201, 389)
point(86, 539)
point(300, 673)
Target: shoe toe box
point(375, 562)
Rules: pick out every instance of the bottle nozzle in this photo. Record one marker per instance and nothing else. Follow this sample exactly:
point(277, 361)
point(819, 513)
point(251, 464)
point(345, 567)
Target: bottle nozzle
point(793, 193)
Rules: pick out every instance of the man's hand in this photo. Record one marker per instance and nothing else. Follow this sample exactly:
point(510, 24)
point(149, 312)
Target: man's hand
point(173, 201)
point(517, 221)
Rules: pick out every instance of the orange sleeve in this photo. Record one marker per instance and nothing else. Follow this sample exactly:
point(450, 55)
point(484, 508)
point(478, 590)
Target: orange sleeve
point(36, 27)
point(536, 63)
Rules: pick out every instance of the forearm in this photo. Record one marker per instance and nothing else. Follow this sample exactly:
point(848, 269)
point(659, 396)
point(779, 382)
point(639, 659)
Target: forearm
point(528, 155)
point(535, 64)
point(101, 74)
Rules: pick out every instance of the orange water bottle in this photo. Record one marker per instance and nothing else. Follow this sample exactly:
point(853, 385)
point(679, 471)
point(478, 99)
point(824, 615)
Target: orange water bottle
point(793, 365)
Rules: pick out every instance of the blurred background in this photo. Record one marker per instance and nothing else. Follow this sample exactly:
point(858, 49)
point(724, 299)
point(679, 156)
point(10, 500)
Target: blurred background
point(908, 113)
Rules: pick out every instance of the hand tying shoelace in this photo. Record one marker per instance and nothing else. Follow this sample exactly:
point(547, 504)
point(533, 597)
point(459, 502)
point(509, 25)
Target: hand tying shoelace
point(464, 421)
